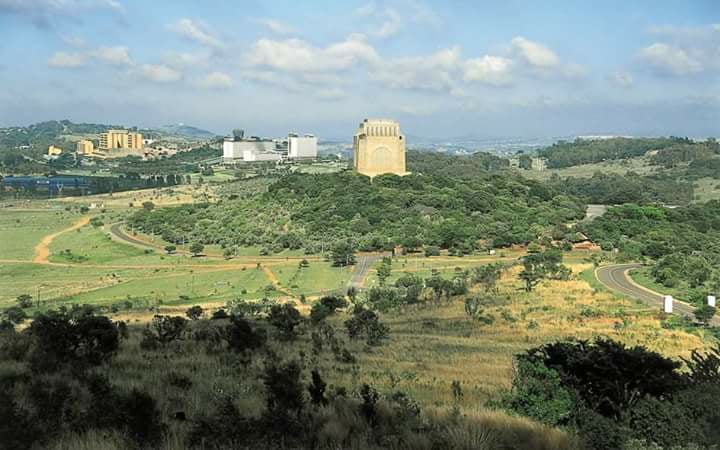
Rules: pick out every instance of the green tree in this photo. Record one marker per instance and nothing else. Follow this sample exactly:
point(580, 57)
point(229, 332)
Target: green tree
point(538, 266)
point(384, 271)
point(196, 248)
point(704, 314)
point(342, 254)
point(194, 312)
point(24, 301)
point(285, 318)
point(170, 249)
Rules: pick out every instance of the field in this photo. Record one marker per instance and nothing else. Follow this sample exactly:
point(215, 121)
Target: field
point(707, 189)
point(639, 165)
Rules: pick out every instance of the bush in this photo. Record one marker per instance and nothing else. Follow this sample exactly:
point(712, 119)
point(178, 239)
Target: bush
point(194, 312)
point(168, 328)
point(285, 318)
point(60, 338)
point(241, 336)
point(365, 324)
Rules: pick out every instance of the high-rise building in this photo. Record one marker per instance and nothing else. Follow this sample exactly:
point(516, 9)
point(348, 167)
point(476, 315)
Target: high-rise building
point(121, 139)
point(378, 148)
point(302, 146)
point(84, 147)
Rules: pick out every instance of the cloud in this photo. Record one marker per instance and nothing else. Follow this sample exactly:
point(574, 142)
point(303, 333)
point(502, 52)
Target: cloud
point(46, 13)
point(623, 79)
point(73, 41)
point(493, 70)
point(196, 31)
point(330, 94)
point(296, 55)
point(534, 53)
point(216, 80)
point(391, 26)
point(184, 59)
point(670, 59)
point(158, 73)
point(67, 60)
point(276, 26)
point(116, 56)
point(430, 72)
point(368, 9)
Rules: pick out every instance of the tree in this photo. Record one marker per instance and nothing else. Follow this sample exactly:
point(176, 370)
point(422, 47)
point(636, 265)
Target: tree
point(488, 275)
point(24, 301)
point(384, 271)
point(241, 336)
point(148, 206)
point(342, 254)
point(15, 315)
point(285, 318)
point(538, 266)
point(365, 324)
point(704, 314)
point(317, 389)
point(170, 249)
point(168, 328)
point(196, 248)
point(194, 312)
point(284, 390)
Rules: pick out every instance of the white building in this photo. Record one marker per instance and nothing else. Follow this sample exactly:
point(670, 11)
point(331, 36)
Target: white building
point(236, 150)
point(254, 156)
point(302, 146)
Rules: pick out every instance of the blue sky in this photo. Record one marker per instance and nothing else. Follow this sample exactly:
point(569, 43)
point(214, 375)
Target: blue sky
point(442, 68)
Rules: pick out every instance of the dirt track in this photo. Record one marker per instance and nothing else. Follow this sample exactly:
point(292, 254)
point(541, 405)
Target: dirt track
point(42, 250)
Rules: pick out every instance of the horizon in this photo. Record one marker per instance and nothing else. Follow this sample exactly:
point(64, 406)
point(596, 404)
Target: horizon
point(513, 71)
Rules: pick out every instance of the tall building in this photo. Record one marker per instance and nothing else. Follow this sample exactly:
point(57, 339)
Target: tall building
point(302, 146)
point(378, 148)
point(121, 139)
point(84, 147)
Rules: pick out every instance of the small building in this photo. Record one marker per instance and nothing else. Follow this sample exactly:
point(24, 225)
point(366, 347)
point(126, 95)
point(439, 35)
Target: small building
point(54, 151)
point(84, 147)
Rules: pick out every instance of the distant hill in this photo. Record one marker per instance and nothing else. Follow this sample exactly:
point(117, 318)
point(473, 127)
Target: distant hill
point(180, 129)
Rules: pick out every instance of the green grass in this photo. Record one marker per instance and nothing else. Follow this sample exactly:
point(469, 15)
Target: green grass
point(21, 231)
point(317, 279)
point(707, 189)
point(645, 279)
point(640, 165)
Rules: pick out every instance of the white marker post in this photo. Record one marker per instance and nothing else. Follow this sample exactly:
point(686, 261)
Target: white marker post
point(668, 304)
point(711, 300)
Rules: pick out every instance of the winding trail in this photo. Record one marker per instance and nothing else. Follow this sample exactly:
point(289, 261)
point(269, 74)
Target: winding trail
point(42, 250)
point(616, 278)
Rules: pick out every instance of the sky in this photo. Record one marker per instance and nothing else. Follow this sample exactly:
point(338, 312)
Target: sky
point(443, 69)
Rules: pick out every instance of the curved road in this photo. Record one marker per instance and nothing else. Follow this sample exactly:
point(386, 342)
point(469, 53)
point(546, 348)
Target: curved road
point(616, 278)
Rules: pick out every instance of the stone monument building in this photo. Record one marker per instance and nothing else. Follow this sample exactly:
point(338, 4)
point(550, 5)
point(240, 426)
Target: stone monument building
point(378, 148)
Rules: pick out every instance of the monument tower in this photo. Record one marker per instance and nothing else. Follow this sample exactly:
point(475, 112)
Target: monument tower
point(378, 148)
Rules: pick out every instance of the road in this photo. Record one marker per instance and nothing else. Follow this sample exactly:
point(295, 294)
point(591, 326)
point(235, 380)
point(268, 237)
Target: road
point(615, 277)
point(362, 267)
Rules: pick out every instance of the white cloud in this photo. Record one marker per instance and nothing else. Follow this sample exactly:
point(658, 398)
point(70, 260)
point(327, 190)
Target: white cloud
point(494, 70)
point(197, 31)
point(670, 59)
point(432, 72)
point(67, 60)
point(216, 80)
point(117, 56)
point(391, 26)
point(184, 59)
point(623, 79)
point(368, 9)
point(276, 26)
point(330, 93)
point(296, 55)
point(46, 13)
point(158, 73)
point(534, 53)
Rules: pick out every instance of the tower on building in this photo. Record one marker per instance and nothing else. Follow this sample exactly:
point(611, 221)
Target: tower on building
point(379, 148)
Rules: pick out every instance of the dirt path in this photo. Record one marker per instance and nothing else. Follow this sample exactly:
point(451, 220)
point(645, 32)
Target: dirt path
point(273, 279)
point(42, 250)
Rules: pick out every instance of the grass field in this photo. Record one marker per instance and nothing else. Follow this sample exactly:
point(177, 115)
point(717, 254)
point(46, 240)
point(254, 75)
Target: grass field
point(640, 165)
point(21, 230)
point(707, 189)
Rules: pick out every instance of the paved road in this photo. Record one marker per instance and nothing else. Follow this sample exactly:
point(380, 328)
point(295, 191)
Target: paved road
point(362, 267)
point(616, 278)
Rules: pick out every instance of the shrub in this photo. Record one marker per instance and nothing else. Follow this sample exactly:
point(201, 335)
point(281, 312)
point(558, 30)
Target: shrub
point(168, 328)
point(219, 315)
point(194, 312)
point(365, 324)
point(283, 390)
point(241, 336)
point(285, 318)
point(317, 389)
point(24, 301)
